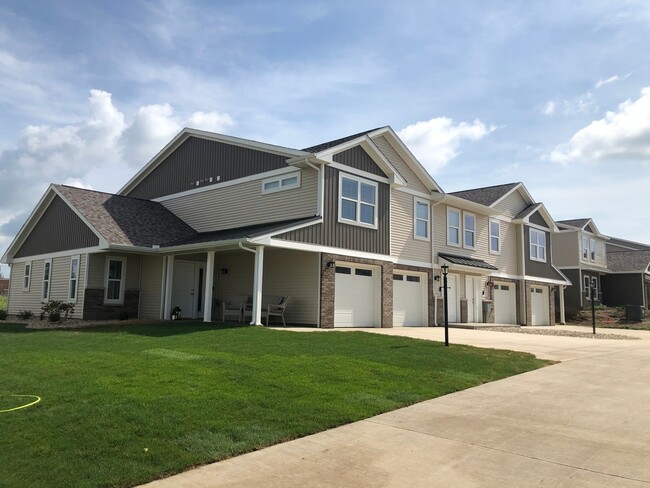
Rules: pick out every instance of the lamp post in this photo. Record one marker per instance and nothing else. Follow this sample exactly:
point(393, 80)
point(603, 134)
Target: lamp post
point(593, 307)
point(445, 270)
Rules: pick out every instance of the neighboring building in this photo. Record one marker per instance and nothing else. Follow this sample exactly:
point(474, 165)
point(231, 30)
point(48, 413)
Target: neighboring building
point(4, 287)
point(629, 281)
point(497, 242)
point(579, 251)
point(343, 228)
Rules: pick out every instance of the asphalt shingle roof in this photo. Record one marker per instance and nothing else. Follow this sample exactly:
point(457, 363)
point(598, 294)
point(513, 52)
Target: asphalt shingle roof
point(631, 261)
point(249, 231)
point(580, 223)
point(127, 220)
point(527, 211)
point(336, 142)
point(465, 261)
point(485, 196)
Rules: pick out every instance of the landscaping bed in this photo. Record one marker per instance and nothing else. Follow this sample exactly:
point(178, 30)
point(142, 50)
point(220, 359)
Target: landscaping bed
point(609, 317)
point(125, 404)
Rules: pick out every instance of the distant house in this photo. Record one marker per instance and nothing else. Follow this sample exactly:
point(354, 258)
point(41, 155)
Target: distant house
point(4, 287)
point(629, 280)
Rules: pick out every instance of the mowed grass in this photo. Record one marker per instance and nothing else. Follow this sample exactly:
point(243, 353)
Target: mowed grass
point(125, 405)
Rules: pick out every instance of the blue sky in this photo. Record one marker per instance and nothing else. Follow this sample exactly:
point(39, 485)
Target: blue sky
point(555, 94)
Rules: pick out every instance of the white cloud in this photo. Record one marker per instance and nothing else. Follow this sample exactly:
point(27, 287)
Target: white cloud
point(612, 79)
point(437, 141)
point(210, 121)
point(584, 103)
point(549, 108)
point(623, 134)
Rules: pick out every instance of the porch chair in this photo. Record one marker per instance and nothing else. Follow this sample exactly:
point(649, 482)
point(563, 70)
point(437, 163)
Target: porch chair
point(232, 307)
point(277, 311)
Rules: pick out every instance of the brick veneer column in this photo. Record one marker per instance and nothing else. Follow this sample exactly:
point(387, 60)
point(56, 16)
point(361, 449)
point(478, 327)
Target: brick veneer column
point(328, 276)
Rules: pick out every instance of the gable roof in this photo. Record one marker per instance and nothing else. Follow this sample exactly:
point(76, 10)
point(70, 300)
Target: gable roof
point(525, 214)
point(488, 195)
point(628, 261)
point(125, 220)
point(627, 245)
point(579, 223)
point(338, 142)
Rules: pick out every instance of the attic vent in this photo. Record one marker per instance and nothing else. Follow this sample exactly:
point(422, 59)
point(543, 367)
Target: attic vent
point(204, 181)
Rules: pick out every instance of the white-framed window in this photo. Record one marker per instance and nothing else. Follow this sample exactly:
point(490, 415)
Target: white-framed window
point(585, 248)
point(27, 276)
point(592, 249)
point(495, 236)
point(421, 219)
point(453, 227)
point(586, 280)
point(594, 285)
point(280, 183)
point(74, 279)
point(115, 278)
point(469, 230)
point(537, 245)
point(47, 279)
point(357, 201)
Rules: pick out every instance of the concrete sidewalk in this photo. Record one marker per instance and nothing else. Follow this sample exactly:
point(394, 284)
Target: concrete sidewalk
point(581, 423)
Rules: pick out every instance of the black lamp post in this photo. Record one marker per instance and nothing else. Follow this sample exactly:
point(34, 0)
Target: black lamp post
point(445, 271)
point(593, 307)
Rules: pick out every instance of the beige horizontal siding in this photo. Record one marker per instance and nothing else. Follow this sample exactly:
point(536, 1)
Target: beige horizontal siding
point(244, 204)
point(97, 270)
point(506, 261)
point(286, 273)
point(565, 249)
point(512, 204)
point(402, 243)
point(400, 165)
point(20, 299)
point(151, 287)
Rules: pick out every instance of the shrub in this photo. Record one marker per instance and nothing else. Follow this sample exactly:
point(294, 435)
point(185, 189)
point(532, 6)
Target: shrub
point(3, 314)
point(25, 314)
point(57, 310)
point(124, 316)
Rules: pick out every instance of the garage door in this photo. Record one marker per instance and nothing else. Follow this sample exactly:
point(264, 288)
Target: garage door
point(505, 309)
point(539, 305)
point(356, 296)
point(410, 307)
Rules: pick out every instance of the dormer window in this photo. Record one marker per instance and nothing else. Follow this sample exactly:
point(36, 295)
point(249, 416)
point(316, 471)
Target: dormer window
point(537, 245)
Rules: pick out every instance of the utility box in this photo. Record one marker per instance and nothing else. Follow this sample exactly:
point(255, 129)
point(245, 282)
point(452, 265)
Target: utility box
point(634, 313)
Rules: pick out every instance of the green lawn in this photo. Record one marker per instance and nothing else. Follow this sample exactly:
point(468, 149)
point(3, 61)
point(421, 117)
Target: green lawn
point(125, 405)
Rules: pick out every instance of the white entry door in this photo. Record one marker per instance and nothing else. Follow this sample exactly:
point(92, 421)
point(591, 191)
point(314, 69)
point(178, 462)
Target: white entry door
point(453, 285)
point(410, 304)
point(356, 296)
point(505, 308)
point(186, 287)
point(474, 299)
point(539, 303)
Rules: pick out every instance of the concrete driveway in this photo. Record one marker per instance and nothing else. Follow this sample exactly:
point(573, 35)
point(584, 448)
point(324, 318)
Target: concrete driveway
point(581, 423)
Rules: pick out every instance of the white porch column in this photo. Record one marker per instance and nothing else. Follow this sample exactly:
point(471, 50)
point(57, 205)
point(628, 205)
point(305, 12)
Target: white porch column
point(209, 280)
point(562, 318)
point(169, 281)
point(257, 286)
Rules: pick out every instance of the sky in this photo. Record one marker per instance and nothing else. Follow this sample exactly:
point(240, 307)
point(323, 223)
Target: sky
point(552, 93)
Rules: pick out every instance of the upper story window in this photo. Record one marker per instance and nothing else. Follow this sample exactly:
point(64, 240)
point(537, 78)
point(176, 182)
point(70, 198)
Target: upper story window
point(357, 201)
point(592, 249)
point(47, 278)
point(585, 248)
point(27, 276)
point(115, 275)
point(469, 230)
point(586, 284)
point(74, 279)
point(421, 219)
point(453, 227)
point(280, 183)
point(495, 236)
point(537, 245)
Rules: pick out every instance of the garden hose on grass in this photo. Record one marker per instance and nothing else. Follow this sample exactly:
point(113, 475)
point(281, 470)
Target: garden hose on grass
point(38, 399)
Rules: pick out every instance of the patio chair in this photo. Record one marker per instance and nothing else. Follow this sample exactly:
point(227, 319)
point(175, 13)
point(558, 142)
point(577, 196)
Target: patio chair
point(277, 311)
point(232, 308)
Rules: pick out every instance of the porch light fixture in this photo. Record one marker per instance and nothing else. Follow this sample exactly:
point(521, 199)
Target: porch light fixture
point(331, 264)
point(224, 271)
point(436, 278)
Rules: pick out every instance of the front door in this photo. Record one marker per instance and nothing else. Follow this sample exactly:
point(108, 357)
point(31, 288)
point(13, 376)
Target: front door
point(473, 296)
point(184, 291)
point(453, 281)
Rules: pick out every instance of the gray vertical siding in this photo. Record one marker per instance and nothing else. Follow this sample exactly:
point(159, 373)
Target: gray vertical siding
point(199, 159)
point(538, 268)
point(536, 218)
point(59, 229)
point(358, 158)
point(572, 294)
point(623, 289)
point(334, 234)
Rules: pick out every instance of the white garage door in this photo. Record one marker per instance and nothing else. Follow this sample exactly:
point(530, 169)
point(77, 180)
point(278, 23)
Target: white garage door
point(410, 307)
point(539, 305)
point(356, 296)
point(505, 308)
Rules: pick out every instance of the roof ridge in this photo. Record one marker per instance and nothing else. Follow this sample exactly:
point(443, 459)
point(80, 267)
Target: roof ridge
point(340, 140)
point(486, 187)
point(102, 192)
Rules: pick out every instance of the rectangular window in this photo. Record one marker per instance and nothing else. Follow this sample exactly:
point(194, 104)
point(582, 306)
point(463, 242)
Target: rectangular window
point(74, 279)
point(495, 236)
point(398, 277)
point(537, 245)
point(357, 201)
point(115, 273)
point(281, 183)
point(363, 272)
point(594, 285)
point(469, 230)
point(585, 248)
point(343, 270)
point(413, 279)
point(421, 219)
point(47, 278)
point(592, 249)
point(453, 227)
point(27, 277)
point(586, 284)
